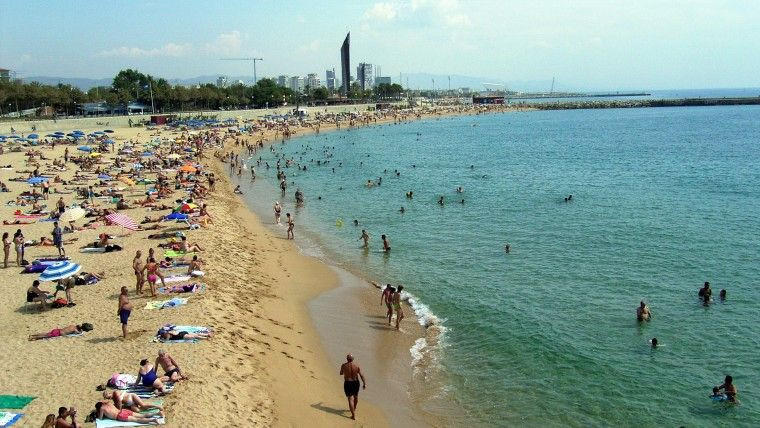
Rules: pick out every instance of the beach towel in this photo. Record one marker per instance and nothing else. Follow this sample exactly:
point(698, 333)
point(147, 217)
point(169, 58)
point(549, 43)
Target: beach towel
point(177, 278)
point(166, 304)
point(109, 423)
point(172, 253)
point(7, 419)
point(178, 289)
point(14, 401)
point(148, 393)
point(81, 333)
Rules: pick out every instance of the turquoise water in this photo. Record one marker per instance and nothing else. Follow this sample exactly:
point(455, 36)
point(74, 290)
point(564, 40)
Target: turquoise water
point(663, 200)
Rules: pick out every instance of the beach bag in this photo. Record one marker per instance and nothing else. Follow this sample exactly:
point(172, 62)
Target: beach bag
point(121, 381)
point(59, 303)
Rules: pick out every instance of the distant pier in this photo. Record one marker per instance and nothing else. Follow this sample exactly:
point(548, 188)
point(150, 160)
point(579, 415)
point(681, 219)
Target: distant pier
point(681, 102)
point(557, 95)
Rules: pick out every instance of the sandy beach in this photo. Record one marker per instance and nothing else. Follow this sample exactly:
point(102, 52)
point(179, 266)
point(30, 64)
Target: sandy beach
point(267, 364)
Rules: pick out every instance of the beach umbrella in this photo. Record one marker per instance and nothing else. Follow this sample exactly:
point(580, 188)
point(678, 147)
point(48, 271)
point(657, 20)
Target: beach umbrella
point(72, 214)
point(187, 168)
point(84, 148)
point(14, 136)
point(78, 132)
point(104, 177)
point(33, 136)
point(94, 154)
point(108, 131)
point(110, 141)
point(122, 220)
point(52, 135)
point(59, 270)
point(99, 133)
point(186, 208)
point(127, 181)
point(176, 216)
point(146, 154)
point(36, 180)
point(59, 133)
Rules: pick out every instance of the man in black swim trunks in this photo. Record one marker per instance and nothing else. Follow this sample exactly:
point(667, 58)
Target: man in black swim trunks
point(351, 374)
point(171, 368)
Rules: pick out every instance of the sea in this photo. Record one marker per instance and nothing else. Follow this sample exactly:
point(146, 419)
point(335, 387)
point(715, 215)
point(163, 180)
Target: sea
point(663, 199)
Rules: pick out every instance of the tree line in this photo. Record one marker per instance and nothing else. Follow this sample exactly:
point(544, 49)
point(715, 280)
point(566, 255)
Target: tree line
point(131, 85)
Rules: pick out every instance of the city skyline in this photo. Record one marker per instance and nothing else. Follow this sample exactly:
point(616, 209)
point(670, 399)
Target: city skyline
point(586, 44)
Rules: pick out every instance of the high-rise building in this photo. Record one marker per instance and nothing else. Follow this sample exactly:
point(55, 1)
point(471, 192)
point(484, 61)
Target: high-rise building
point(5, 75)
point(296, 84)
point(282, 80)
point(221, 81)
point(330, 79)
point(312, 81)
point(345, 63)
point(382, 79)
point(364, 75)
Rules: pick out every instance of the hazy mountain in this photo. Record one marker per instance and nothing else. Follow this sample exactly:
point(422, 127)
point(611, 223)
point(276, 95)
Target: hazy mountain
point(81, 83)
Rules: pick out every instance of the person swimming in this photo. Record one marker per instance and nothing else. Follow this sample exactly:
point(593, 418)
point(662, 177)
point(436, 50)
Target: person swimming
point(643, 313)
point(654, 342)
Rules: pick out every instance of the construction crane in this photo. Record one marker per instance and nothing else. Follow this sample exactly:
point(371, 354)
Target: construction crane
point(247, 59)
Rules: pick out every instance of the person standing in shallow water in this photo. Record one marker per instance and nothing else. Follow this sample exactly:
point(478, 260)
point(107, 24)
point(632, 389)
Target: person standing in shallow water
point(351, 373)
point(387, 298)
point(291, 226)
point(386, 244)
point(365, 238)
point(643, 313)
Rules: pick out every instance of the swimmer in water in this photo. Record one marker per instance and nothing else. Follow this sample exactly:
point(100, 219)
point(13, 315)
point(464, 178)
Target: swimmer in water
point(729, 388)
point(356, 222)
point(462, 201)
point(654, 342)
point(402, 210)
point(723, 294)
point(440, 201)
point(643, 313)
point(459, 189)
point(507, 248)
point(386, 243)
point(365, 238)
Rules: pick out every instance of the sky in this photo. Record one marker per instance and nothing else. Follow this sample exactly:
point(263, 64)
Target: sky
point(604, 45)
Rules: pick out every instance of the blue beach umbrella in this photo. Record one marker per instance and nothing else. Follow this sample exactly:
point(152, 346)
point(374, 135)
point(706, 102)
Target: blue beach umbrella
point(59, 133)
point(176, 216)
point(99, 133)
point(84, 148)
point(78, 132)
point(109, 141)
point(108, 131)
point(146, 154)
point(104, 177)
point(52, 135)
point(14, 136)
point(59, 270)
point(37, 180)
point(33, 136)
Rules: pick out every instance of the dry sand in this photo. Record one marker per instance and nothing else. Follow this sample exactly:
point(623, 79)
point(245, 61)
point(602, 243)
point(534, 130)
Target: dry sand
point(265, 366)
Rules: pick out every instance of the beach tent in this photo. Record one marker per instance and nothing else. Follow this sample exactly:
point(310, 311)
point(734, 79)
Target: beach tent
point(84, 148)
point(59, 270)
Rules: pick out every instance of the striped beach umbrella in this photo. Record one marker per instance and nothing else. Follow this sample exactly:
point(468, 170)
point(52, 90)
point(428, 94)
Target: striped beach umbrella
point(59, 270)
point(122, 220)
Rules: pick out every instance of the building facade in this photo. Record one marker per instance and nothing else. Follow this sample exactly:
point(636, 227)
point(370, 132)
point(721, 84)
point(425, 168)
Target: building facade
point(379, 80)
point(221, 82)
point(345, 64)
point(364, 76)
point(330, 79)
point(312, 81)
point(283, 80)
point(296, 84)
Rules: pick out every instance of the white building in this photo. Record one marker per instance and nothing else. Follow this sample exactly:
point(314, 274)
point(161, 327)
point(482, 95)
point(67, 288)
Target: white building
point(312, 81)
point(221, 81)
point(283, 80)
point(296, 84)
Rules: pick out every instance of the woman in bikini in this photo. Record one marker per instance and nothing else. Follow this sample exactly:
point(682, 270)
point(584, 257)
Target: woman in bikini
point(6, 249)
point(184, 335)
point(397, 306)
point(154, 273)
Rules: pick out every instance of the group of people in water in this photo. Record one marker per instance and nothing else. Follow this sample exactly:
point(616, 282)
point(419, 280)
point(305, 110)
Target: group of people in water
point(644, 314)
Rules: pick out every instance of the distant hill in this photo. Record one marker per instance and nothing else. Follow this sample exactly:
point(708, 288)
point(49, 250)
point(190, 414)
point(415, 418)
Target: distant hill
point(81, 83)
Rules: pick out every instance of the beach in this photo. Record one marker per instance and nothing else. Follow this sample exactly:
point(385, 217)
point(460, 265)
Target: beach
point(265, 365)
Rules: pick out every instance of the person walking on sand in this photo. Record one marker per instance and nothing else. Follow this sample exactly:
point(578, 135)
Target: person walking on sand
point(365, 238)
point(387, 298)
point(125, 309)
point(291, 225)
point(277, 212)
point(58, 239)
point(397, 306)
point(137, 265)
point(351, 373)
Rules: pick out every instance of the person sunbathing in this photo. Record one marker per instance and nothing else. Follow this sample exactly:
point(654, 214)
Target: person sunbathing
point(195, 265)
point(150, 378)
point(187, 247)
point(129, 400)
point(171, 368)
point(62, 331)
point(106, 410)
point(172, 334)
point(18, 221)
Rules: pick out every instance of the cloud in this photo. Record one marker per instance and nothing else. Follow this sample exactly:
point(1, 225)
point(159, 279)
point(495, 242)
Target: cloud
point(447, 13)
point(169, 49)
point(382, 12)
point(225, 43)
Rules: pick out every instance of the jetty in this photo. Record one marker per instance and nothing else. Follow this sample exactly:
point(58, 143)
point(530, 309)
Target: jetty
point(638, 103)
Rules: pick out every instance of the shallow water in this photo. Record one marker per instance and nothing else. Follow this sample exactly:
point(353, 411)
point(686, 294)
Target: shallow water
point(663, 200)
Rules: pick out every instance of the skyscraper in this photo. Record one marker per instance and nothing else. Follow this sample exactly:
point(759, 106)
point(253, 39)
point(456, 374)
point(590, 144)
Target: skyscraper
point(345, 63)
point(364, 75)
point(283, 80)
point(330, 79)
